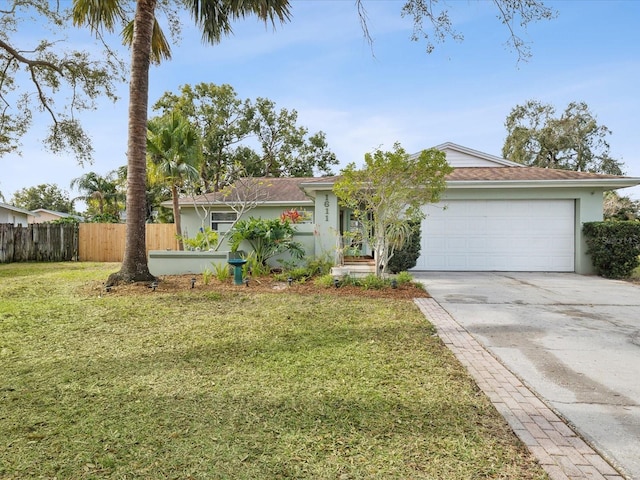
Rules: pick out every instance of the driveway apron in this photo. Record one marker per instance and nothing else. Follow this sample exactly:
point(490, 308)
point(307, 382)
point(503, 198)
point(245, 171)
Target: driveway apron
point(572, 339)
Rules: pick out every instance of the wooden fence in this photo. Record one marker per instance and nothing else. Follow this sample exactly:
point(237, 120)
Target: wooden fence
point(104, 242)
point(87, 242)
point(38, 242)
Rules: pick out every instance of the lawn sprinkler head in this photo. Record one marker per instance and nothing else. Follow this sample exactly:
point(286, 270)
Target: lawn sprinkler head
point(153, 286)
point(394, 283)
point(336, 282)
point(193, 282)
point(289, 281)
point(246, 282)
point(107, 288)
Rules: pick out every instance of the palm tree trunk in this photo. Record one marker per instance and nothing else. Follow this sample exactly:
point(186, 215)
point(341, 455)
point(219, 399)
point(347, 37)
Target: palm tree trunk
point(176, 216)
point(134, 265)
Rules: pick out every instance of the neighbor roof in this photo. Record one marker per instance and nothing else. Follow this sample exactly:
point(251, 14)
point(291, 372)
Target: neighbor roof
point(269, 189)
point(13, 208)
point(53, 212)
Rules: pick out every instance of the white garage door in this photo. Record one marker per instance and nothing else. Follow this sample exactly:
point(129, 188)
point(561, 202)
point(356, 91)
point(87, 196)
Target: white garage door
point(498, 235)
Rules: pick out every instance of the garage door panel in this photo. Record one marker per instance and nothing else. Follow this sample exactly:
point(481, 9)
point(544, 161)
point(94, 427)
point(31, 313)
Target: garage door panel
point(507, 235)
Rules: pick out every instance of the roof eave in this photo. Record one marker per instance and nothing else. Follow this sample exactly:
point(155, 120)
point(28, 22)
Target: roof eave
point(317, 185)
point(260, 204)
point(477, 153)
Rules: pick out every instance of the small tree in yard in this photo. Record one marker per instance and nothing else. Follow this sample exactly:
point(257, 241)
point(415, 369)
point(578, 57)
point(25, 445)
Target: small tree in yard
point(387, 194)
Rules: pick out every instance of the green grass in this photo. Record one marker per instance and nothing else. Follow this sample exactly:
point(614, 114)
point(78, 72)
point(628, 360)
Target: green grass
point(232, 386)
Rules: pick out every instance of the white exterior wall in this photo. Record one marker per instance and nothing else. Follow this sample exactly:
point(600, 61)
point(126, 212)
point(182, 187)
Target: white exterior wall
point(459, 157)
point(13, 217)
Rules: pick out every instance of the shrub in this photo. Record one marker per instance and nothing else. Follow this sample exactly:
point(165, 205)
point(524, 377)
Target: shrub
point(206, 276)
point(254, 268)
point(614, 247)
point(267, 238)
point(404, 277)
point(65, 221)
point(104, 218)
point(325, 281)
point(406, 257)
point(320, 265)
point(204, 240)
point(373, 282)
point(222, 271)
point(297, 274)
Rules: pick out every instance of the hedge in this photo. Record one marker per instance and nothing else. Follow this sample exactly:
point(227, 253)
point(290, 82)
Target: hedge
point(406, 257)
point(614, 247)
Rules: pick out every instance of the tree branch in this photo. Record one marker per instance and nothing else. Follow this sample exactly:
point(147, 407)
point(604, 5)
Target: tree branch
point(31, 63)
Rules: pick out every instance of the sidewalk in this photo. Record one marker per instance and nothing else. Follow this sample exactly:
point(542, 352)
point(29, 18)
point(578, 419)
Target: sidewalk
point(560, 451)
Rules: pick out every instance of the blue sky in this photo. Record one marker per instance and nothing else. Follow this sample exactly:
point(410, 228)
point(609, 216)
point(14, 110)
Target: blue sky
point(367, 97)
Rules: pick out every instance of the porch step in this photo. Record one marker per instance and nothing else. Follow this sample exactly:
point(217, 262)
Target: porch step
point(368, 260)
point(354, 270)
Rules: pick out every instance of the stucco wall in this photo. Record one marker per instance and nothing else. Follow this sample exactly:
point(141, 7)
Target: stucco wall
point(319, 236)
point(191, 224)
point(43, 217)
point(327, 223)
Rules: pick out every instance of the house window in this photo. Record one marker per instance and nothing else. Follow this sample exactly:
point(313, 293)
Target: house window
point(222, 220)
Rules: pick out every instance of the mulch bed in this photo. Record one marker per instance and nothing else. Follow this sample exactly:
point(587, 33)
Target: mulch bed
point(182, 283)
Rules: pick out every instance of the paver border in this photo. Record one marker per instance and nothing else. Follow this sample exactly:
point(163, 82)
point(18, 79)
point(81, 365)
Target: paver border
point(561, 452)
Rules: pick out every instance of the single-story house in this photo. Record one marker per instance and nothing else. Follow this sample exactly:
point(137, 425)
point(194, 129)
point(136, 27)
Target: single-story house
point(495, 215)
point(43, 215)
point(14, 215)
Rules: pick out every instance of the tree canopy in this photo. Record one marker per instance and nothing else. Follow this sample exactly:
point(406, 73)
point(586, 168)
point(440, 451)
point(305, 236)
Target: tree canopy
point(574, 140)
point(387, 193)
point(47, 196)
point(231, 128)
point(39, 76)
point(617, 207)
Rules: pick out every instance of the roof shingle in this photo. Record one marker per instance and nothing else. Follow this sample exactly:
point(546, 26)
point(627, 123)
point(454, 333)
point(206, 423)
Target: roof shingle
point(287, 189)
point(521, 174)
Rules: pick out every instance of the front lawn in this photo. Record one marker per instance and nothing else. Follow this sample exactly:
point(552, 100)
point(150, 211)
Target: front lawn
point(234, 384)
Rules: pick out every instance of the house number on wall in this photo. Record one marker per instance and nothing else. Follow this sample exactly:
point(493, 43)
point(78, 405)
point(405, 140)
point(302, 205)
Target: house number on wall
point(326, 208)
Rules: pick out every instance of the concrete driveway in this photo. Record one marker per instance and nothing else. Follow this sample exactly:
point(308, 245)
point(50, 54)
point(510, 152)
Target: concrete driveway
point(573, 339)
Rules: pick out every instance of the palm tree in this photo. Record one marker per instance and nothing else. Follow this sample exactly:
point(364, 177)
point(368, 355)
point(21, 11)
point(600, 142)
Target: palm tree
point(214, 17)
point(173, 149)
point(100, 191)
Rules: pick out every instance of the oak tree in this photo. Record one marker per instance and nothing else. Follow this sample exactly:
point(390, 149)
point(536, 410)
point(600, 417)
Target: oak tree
point(40, 77)
point(573, 140)
point(48, 196)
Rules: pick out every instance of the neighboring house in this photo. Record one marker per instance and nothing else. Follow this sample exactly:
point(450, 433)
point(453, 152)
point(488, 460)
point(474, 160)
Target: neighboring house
point(495, 215)
point(43, 215)
point(14, 215)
